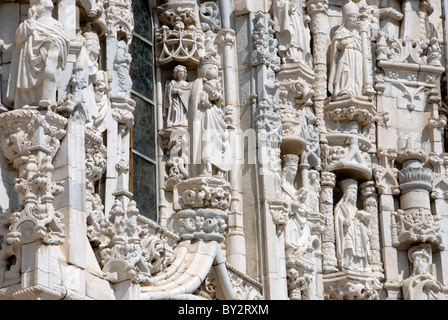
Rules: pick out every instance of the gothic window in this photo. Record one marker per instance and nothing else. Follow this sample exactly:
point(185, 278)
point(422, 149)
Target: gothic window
point(144, 157)
point(445, 142)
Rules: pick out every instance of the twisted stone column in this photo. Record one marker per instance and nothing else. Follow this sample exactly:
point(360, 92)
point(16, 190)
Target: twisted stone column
point(319, 26)
point(328, 182)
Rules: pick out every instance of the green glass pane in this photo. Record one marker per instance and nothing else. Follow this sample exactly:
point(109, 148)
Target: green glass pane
point(143, 131)
point(144, 187)
point(142, 68)
point(142, 19)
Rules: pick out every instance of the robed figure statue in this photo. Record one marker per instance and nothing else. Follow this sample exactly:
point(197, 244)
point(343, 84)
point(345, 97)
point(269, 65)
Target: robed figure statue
point(210, 138)
point(40, 56)
point(346, 56)
point(352, 230)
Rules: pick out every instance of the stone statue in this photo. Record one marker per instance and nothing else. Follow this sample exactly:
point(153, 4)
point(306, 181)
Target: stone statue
point(352, 230)
point(122, 64)
point(40, 56)
point(210, 134)
point(92, 53)
point(346, 56)
point(422, 285)
point(84, 75)
point(289, 173)
point(311, 154)
point(297, 229)
point(293, 36)
point(177, 94)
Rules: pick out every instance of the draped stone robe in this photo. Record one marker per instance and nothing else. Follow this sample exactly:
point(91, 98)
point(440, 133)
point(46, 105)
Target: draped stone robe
point(176, 108)
point(210, 135)
point(30, 58)
point(352, 238)
point(346, 71)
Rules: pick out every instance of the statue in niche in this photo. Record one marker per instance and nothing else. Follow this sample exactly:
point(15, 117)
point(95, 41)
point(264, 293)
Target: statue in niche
point(83, 78)
point(289, 173)
point(101, 84)
point(293, 37)
point(352, 230)
point(422, 285)
point(122, 64)
point(297, 229)
point(95, 95)
point(92, 53)
point(40, 56)
point(210, 135)
point(346, 56)
point(177, 94)
point(311, 154)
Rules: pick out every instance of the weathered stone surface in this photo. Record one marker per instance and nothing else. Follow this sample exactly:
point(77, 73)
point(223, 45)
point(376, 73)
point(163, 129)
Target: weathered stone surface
point(281, 149)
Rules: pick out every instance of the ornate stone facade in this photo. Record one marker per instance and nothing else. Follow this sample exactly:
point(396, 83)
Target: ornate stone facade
point(298, 150)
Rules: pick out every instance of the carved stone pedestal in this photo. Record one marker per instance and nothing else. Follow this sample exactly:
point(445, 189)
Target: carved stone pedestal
point(30, 141)
point(201, 205)
point(181, 39)
point(202, 223)
point(414, 222)
point(351, 132)
point(202, 192)
point(351, 285)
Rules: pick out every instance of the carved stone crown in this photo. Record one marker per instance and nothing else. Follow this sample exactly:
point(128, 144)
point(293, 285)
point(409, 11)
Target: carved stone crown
point(411, 153)
point(206, 60)
point(413, 254)
point(348, 184)
point(290, 159)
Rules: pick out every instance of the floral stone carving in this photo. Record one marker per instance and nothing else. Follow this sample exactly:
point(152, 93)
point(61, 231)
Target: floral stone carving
point(34, 139)
point(202, 223)
point(202, 192)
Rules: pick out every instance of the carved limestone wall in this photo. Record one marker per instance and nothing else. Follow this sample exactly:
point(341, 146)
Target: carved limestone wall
point(297, 149)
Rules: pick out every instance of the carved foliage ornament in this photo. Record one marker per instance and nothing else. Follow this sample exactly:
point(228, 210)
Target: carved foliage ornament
point(123, 256)
point(180, 39)
point(35, 218)
point(119, 18)
point(202, 223)
point(207, 192)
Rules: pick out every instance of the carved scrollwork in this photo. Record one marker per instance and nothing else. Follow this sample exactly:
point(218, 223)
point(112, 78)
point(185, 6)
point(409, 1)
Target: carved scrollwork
point(203, 192)
point(119, 18)
point(210, 16)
